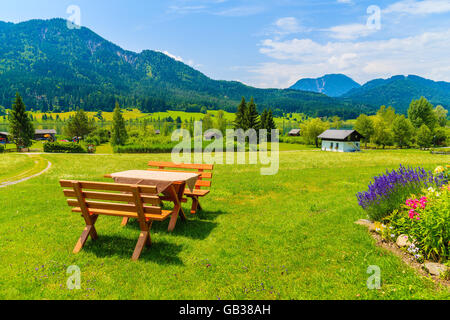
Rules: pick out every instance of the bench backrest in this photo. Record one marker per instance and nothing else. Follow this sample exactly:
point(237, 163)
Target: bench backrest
point(99, 198)
point(204, 171)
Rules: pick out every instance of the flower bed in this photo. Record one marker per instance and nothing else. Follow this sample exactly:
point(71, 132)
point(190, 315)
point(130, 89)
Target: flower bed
point(412, 207)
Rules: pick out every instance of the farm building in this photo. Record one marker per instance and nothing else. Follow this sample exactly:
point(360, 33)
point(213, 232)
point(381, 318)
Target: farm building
point(211, 135)
point(294, 133)
point(341, 140)
point(4, 137)
point(46, 134)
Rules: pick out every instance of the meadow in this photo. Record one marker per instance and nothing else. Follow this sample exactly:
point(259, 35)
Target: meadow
point(288, 236)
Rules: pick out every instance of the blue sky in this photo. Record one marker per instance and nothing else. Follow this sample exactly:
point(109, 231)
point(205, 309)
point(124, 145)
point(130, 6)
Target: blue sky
point(269, 43)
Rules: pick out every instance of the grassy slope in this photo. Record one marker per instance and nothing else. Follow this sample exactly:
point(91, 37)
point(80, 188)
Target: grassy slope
point(290, 236)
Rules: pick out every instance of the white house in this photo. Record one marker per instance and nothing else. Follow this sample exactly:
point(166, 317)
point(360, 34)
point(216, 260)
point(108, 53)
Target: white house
point(341, 140)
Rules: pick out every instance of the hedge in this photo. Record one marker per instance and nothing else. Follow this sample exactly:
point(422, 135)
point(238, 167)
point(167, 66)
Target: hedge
point(63, 147)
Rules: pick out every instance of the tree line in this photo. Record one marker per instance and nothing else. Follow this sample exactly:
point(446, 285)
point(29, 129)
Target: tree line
point(424, 126)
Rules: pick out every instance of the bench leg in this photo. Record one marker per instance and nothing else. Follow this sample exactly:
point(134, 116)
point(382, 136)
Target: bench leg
point(89, 230)
point(196, 205)
point(144, 239)
point(125, 221)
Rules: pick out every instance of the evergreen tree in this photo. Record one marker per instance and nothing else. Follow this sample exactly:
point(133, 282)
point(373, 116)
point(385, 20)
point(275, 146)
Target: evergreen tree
point(20, 125)
point(79, 125)
point(119, 131)
point(264, 116)
point(270, 122)
point(239, 122)
point(252, 116)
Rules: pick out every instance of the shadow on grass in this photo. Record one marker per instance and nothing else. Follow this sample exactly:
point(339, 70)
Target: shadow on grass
point(197, 227)
point(161, 252)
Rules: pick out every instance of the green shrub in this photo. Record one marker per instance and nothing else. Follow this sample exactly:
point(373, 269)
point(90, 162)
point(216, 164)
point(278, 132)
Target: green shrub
point(63, 147)
point(426, 220)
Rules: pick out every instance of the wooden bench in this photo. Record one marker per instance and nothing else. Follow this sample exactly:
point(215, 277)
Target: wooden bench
point(119, 200)
point(203, 185)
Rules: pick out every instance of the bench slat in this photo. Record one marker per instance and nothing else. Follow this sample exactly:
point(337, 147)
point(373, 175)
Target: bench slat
point(156, 217)
point(163, 165)
point(203, 175)
point(113, 196)
point(113, 206)
point(107, 186)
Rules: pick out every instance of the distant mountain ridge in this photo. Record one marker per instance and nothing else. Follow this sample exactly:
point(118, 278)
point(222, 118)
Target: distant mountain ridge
point(398, 91)
point(57, 68)
point(332, 85)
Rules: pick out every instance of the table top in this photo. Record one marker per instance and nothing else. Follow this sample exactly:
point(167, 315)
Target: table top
point(161, 179)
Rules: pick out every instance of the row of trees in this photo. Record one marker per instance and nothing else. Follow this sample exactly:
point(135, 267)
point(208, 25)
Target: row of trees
point(247, 117)
point(425, 126)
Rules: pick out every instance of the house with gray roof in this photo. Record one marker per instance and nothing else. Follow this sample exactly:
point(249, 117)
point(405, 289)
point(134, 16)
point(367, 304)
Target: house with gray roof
point(4, 137)
point(294, 133)
point(45, 134)
point(341, 140)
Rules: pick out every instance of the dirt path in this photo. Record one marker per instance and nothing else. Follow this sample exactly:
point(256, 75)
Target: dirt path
point(13, 182)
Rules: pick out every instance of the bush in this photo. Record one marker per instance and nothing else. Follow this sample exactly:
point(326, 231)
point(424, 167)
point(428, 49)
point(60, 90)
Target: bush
point(426, 221)
point(2, 148)
point(389, 191)
point(63, 147)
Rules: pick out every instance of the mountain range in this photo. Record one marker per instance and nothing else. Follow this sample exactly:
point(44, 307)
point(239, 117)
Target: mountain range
point(397, 91)
point(59, 68)
point(332, 85)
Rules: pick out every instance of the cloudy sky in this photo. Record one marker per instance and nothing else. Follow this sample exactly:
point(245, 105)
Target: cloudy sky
point(271, 43)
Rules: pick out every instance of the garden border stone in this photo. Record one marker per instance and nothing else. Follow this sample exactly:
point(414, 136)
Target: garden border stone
point(427, 269)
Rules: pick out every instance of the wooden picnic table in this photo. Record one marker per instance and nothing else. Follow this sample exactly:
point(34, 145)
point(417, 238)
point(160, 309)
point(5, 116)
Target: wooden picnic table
point(171, 184)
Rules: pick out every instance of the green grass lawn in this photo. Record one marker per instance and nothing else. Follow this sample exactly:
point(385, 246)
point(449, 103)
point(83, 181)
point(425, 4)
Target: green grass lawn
point(13, 164)
point(15, 167)
point(289, 236)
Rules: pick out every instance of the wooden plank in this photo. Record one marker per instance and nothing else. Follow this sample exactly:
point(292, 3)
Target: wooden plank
point(107, 186)
point(203, 183)
point(123, 207)
point(162, 165)
point(197, 193)
point(203, 175)
point(140, 209)
point(147, 199)
point(154, 217)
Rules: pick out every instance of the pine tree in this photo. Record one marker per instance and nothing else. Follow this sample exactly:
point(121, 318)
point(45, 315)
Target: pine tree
point(264, 116)
point(21, 127)
point(252, 116)
point(79, 125)
point(119, 134)
point(270, 122)
point(240, 122)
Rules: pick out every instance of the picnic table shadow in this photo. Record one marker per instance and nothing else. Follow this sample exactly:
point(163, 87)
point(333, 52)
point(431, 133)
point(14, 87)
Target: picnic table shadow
point(161, 252)
point(197, 227)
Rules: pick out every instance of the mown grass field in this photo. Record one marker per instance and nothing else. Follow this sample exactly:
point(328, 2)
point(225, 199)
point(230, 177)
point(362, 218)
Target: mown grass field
point(288, 236)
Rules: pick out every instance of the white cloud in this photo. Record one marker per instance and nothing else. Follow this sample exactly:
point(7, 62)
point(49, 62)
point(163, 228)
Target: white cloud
point(241, 11)
point(344, 1)
point(288, 25)
point(177, 58)
point(180, 59)
point(419, 7)
point(425, 54)
point(350, 31)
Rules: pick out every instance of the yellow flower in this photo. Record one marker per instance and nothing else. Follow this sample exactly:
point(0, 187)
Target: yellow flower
point(439, 169)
